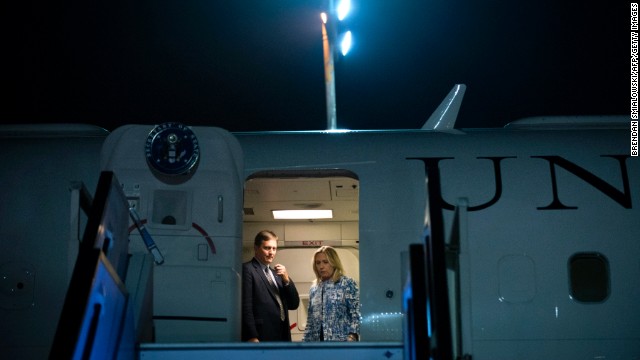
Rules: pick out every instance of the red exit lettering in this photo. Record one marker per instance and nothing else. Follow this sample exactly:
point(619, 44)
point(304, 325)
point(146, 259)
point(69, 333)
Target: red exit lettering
point(312, 243)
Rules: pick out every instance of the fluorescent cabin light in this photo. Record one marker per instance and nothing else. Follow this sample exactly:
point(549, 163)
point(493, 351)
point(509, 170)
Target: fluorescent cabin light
point(302, 214)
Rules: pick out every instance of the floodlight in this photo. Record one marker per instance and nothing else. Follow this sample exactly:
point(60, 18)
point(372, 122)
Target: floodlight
point(345, 44)
point(343, 9)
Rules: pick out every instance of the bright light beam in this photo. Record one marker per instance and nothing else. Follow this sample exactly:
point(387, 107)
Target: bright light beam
point(345, 44)
point(343, 9)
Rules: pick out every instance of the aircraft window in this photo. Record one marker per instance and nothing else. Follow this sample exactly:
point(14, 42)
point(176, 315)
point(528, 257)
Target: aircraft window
point(589, 277)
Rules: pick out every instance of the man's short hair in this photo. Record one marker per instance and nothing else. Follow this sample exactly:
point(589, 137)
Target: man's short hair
point(264, 235)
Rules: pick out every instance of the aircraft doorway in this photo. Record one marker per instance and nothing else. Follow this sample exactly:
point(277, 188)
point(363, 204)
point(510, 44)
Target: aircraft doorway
point(317, 189)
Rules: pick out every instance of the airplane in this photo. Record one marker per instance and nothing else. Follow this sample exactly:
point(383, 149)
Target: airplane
point(511, 243)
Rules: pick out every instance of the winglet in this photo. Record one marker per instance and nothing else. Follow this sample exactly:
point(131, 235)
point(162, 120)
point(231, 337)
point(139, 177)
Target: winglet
point(444, 118)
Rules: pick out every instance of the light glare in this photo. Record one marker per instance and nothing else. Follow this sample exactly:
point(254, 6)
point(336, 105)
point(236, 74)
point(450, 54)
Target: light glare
point(343, 9)
point(345, 45)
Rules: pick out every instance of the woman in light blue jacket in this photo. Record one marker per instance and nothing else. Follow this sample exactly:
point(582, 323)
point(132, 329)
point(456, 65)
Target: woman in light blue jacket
point(334, 301)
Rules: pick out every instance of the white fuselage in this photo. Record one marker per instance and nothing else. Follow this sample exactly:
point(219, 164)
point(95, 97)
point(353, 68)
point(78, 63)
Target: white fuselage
point(521, 209)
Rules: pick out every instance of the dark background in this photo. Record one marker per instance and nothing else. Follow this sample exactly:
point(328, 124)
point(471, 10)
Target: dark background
point(257, 64)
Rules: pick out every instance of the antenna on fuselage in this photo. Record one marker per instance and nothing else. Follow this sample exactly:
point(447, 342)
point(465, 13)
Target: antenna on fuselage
point(444, 117)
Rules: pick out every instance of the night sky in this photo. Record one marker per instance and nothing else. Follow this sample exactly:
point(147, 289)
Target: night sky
point(257, 65)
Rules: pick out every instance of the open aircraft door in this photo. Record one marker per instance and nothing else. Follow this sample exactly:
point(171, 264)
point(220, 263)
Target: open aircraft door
point(185, 186)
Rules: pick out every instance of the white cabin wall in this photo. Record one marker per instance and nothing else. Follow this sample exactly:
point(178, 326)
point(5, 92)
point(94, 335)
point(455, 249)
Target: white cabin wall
point(39, 232)
point(301, 234)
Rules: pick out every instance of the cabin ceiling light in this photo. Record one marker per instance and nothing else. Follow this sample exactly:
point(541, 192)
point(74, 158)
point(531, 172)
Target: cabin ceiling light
point(302, 214)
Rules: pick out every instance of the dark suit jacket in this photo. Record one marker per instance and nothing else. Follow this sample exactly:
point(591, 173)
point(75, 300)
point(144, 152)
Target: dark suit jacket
point(260, 310)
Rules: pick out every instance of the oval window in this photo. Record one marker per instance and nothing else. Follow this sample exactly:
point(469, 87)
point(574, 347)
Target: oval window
point(589, 277)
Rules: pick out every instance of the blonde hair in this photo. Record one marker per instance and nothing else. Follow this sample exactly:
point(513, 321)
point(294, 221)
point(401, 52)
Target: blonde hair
point(334, 260)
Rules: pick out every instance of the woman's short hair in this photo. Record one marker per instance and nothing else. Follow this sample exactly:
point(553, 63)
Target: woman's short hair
point(334, 260)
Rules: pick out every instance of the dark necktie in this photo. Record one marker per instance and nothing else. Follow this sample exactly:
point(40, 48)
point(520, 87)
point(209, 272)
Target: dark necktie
point(267, 272)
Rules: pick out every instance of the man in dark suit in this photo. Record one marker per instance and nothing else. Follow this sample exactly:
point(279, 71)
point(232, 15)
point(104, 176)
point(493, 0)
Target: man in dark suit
point(265, 307)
